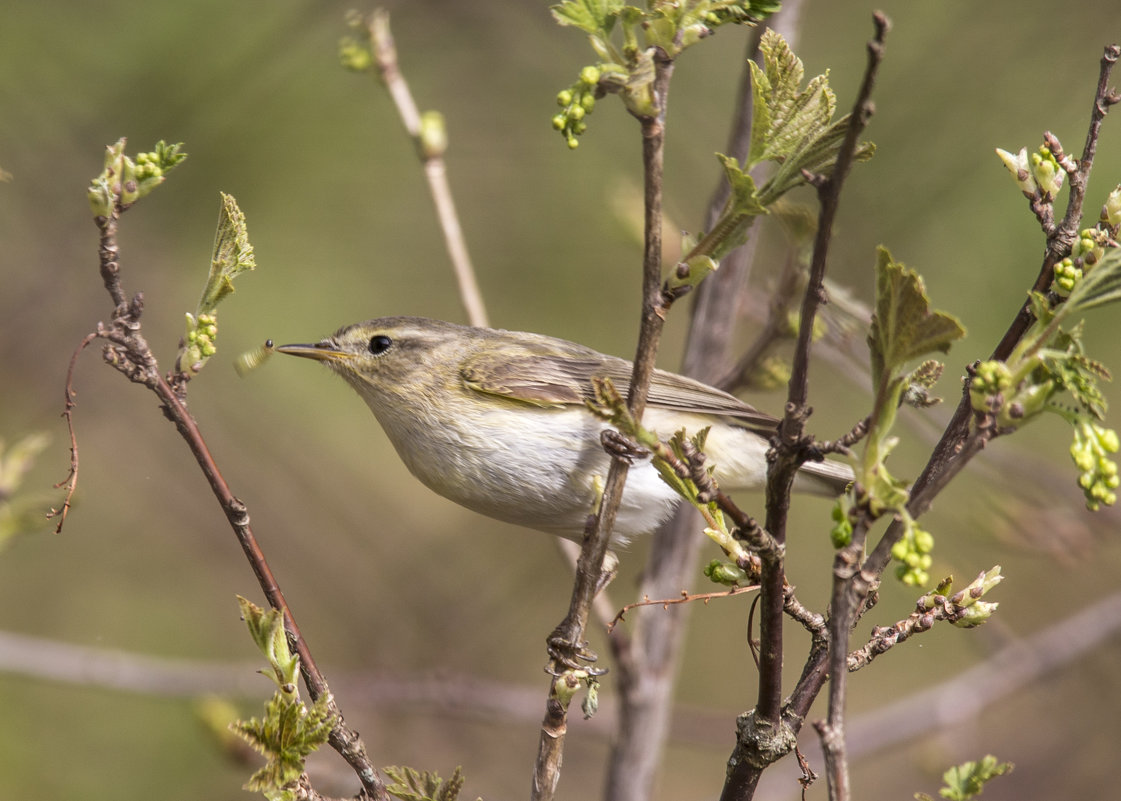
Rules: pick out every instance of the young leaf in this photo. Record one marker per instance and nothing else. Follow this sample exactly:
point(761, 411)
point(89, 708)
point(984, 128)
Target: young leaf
point(233, 255)
point(903, 325)
point(591, 16)
point(267, 630)
point(966, 781)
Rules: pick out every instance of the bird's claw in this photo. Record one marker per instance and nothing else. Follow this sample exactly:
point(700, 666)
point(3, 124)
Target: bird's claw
point(565, 655)
point(622, 447)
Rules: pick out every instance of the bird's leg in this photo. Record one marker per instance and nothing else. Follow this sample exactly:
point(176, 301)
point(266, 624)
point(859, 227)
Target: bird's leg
point(566, 651)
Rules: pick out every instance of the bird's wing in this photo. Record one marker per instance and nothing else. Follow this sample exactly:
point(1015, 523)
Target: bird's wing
point(555, 380)
point(549, 381)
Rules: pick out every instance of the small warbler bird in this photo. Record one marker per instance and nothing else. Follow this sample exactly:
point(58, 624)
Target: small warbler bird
point(496, 421)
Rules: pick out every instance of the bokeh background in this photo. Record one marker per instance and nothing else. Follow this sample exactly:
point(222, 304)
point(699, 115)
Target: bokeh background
point(390, 583)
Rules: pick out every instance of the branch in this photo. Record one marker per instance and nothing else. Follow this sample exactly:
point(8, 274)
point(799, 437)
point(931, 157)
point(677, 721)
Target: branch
point(71, 480)
point(568, 638)
point(647, 663)
point(763, 733)
point(848, 581)
point(129, 353)
point(431, 142)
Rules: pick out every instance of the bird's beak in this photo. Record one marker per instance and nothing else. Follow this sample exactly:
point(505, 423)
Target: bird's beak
point(325, 351)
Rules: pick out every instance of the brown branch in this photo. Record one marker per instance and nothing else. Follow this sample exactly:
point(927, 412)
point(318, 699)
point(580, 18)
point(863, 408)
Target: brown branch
point(767, 732)
point(850, 585)
point(435, 169)
point(129, 353)
point(567, 641)
point(685, 598)
point(71, 480)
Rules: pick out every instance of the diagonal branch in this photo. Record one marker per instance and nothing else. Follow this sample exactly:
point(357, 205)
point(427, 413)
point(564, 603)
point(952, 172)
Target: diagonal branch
point(128, 352)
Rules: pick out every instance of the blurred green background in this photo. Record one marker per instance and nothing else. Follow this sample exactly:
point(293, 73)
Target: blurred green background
point(386, 579)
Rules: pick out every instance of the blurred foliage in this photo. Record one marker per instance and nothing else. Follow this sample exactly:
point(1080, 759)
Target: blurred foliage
point(344, 231)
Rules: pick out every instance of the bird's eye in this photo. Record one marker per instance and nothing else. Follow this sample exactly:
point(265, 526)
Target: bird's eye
point(379, 344)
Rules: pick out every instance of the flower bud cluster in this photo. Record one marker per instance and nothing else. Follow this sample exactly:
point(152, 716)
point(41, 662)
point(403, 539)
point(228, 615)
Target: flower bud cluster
point(124, 180)
point(990, 380)
point(1039, 171)
point(576, 103)
point(355, 55)
point(913, 552)
point(1067, 274)
point(1098, 473)
point(1046, 170)
point(200, 345)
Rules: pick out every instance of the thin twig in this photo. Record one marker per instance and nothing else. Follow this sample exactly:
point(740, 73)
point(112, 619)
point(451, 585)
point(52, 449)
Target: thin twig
point(129, 353)
point(71, 480)
point(769, 717)
point(655, 303)
point(844, 608)
point(435, 169)
point(685, 598)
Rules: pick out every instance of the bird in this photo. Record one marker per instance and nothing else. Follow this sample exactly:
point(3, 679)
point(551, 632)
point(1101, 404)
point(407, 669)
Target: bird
point(498, 422)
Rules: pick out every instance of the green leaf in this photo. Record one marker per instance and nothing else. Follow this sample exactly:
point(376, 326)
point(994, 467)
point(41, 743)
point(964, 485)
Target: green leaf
point(410, 784)
point(233, 255)
point(267, 630)
point(286, 735)
point(1077, 373)
point(903, 325)
point(591, 16)
point(745, 195)
point(966, 781)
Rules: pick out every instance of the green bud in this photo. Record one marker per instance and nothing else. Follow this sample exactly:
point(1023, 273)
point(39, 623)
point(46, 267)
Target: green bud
point(559, 121)
point(576, 113)
point(589, 76)
point(433, 136)
point(1017, 164)
point(924, 541)
point(572, 142)
point(726, 573)
point(841, 533)
point(1046, 171)
point(1066, 277)
point(564, 97)
point(1111, 211)
point(976, 614)
point(989, 379)
point(355, 55)
point(588, 101)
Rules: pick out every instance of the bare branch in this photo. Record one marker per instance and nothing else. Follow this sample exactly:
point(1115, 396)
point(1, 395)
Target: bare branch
point(435, 169)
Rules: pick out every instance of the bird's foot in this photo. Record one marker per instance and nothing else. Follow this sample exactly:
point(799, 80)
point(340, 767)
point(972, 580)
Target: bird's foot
point(566, 653)
point(622, 447)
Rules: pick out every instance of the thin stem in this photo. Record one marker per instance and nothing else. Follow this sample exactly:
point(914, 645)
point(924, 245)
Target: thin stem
point(435, 169)
point(766, 733)
point(850, 585)
point(655, 304)
point(129, 353)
